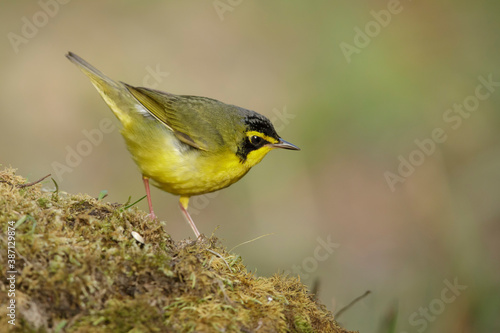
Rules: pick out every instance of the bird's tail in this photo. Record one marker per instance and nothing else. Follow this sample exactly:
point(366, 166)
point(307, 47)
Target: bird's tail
point(114, 93)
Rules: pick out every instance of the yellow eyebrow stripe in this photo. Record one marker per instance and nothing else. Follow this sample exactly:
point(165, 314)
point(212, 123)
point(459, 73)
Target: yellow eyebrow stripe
point(263, 136)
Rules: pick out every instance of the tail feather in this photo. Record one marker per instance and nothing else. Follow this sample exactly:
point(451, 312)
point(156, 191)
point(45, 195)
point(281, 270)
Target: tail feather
point(114, 93)
point(93, 73)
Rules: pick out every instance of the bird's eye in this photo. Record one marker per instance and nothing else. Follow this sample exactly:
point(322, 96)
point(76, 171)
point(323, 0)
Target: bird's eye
point(256, 140)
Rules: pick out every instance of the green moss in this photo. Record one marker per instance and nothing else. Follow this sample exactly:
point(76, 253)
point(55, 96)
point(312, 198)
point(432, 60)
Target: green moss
point(80, 270)
point(44, 203)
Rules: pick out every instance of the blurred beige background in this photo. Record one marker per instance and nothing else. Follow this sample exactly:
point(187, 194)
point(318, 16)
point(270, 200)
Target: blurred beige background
point(355, 102)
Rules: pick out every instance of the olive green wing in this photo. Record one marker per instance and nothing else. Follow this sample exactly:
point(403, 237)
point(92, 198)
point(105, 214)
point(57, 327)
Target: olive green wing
point(192, 119)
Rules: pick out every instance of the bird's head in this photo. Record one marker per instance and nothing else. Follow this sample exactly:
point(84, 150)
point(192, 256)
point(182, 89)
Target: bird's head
point(259, 137)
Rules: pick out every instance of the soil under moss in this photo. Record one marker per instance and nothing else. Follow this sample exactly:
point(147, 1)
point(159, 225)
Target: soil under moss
point(80, 270)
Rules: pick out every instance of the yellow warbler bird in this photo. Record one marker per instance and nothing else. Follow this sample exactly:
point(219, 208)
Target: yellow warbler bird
point(189, 145)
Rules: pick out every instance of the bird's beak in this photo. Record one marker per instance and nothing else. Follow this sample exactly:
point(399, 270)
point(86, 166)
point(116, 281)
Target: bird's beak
point(284, 144)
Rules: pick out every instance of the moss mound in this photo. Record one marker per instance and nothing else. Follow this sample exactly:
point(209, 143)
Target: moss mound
point(80, 270)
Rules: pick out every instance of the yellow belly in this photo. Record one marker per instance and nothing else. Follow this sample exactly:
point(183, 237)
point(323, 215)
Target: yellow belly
point(176, 167)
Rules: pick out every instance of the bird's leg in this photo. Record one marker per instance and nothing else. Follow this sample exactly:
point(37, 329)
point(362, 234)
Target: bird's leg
point(148, 194)
point(183, 202)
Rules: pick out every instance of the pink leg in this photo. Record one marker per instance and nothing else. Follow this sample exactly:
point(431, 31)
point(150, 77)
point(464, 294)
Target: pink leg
point(148, 194)
point(183, 202)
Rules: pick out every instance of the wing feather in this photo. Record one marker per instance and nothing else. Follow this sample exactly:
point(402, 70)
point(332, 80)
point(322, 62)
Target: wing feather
point(191, 118)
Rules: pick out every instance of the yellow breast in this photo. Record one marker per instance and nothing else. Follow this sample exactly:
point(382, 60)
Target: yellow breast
point(176, 167)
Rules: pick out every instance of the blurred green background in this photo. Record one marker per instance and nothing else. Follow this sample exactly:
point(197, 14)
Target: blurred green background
point(354, 117)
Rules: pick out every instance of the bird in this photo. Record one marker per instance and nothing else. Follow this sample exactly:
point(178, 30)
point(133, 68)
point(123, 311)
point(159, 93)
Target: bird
point(188, 145)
